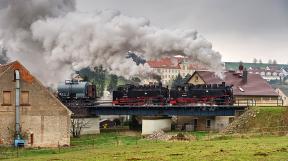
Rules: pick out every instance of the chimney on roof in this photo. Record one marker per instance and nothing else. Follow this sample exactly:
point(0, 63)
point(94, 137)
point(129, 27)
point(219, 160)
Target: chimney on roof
point(245, 76)
point(241, 67)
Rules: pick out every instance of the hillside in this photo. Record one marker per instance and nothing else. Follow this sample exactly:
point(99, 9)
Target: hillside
point(259, 120)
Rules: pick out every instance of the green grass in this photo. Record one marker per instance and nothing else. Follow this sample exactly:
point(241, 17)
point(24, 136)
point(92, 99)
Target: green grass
point(109, 146)
point(268, 117)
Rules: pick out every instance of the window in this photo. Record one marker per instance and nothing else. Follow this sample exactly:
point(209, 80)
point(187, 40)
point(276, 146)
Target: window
point(6, 98)
point(196, 78)
point(24, 98)
point(208, 123)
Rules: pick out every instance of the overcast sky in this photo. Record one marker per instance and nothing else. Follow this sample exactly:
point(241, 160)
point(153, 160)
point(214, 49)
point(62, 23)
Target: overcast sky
point(239, 30)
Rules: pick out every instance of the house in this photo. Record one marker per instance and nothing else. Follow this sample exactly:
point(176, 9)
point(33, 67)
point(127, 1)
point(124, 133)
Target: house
point(44, 120)
point(247, 88)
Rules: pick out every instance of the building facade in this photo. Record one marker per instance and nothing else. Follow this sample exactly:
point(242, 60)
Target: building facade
point(169, 68)
point(269, 72)
point(44, 120)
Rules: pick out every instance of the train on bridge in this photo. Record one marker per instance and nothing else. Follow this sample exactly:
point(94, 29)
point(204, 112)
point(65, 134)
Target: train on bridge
point(76, 92)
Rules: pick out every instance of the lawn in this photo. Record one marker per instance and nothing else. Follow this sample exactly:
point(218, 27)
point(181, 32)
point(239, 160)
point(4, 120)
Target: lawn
point(109, 146)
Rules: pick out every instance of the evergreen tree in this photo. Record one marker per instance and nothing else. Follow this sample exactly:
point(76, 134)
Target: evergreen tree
point(177, 81)
point(113, 83)
point(99, 79)
point(96, 76)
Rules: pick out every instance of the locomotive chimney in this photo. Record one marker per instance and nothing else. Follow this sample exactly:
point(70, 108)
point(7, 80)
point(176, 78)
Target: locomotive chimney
point(245, 76)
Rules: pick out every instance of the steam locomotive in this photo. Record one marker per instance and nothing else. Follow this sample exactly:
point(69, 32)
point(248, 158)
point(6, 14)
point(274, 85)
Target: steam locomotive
point(72, 91)
point(140, 95)
point(211, 94)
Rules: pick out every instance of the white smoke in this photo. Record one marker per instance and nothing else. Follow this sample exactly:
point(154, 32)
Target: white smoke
point(52, 39)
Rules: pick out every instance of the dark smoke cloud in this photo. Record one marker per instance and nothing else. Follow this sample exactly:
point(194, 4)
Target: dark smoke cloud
point(3, 56)
point(52, 39)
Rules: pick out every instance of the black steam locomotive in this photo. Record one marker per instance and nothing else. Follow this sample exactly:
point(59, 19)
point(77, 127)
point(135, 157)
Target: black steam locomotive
point(141, 95)
point(211, 94)
point(72, 91)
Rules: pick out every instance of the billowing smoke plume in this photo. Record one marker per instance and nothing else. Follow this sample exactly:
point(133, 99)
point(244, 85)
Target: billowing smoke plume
point(52, 39)
point(3, 56)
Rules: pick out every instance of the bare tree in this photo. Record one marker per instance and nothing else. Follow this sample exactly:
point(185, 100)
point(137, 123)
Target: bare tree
point(77, 124)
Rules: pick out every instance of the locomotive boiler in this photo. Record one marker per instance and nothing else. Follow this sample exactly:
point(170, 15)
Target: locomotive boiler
point(141, 95)
point(210, 94)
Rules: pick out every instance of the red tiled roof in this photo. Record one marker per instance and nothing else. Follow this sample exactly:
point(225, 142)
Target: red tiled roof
point(255, 86)
point(164, 63)
point(174, 64)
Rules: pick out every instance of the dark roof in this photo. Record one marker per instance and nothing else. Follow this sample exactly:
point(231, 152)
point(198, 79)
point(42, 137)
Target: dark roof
point(208, 77)
point(255, 86)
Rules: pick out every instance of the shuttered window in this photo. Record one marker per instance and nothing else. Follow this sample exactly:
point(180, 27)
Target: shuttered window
point(25, 98)
point(6, 97)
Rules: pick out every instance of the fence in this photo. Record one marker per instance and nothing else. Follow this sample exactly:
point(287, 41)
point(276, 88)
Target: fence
point(259, 102)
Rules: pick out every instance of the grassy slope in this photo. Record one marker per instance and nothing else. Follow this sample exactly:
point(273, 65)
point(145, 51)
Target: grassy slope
point(261, 119)
point(133, 148)
point(269, 117)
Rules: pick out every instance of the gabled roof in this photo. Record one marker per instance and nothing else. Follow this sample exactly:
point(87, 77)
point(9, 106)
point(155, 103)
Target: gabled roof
point(208, 77)
point(255, 86)
point(26, 76)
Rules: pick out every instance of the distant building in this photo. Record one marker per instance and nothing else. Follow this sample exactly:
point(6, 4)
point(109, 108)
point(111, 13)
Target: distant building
point(269, 72)
point(282, 90)
point(44, 120)
point(170, 67)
